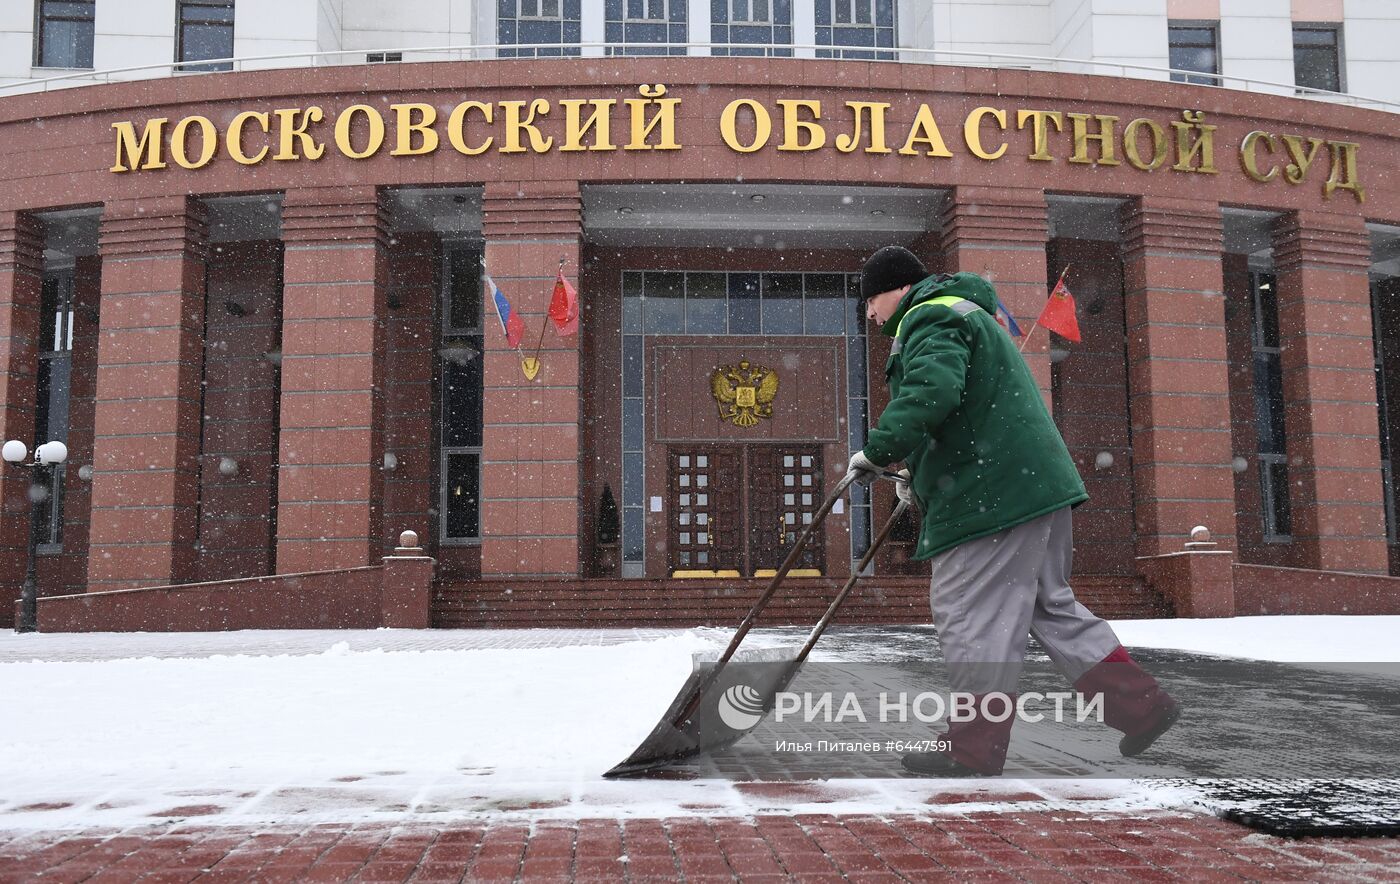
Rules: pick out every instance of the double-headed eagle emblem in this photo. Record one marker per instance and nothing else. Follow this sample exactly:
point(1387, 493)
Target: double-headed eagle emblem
point(744, 393)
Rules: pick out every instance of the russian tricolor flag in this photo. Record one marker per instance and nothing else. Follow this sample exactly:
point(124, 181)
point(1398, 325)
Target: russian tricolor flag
point(1006, 320)
point(511, 323)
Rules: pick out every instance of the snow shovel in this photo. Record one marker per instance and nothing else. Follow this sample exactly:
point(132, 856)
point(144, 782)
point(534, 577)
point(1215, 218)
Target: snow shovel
point(723, 700)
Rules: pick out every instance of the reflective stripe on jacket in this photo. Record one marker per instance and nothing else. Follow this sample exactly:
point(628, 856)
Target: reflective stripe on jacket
point(967, 418)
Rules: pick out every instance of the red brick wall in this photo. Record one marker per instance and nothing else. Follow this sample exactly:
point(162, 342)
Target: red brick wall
point(1329, 389)
point(1387, 295)
point(236, 535)
point(1244, 434)
point(1178, 379)
point(1090, 393)
point(348, 599)
point(1269, 590)
point(67, 572)
point(331, 444)
point(145, 493)
point(411, 336)
point(21, 265)
point(530, 504)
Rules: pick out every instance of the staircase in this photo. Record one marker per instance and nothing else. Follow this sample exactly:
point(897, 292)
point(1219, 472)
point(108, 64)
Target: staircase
point(515, 604)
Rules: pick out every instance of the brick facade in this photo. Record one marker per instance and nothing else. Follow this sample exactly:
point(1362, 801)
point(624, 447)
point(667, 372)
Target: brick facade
point(21, 261)
point(1178, 382)
point(146, 432)
point(1000, 233)
point(530, 457)
point(330, 483)
point(1089, 388)
point(269, 405)
point(243, 327)
point(1329, 388)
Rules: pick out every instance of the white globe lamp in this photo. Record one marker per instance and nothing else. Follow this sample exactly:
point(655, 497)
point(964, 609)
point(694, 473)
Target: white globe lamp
point(14, 451)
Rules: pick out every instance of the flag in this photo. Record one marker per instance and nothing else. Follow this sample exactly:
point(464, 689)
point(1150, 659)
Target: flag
point(1058, 314)
point(563, 307)
point(1006, 320)
point(511, 323)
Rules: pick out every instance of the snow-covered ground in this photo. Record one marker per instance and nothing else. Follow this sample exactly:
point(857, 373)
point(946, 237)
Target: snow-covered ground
point(1298, 639)
point(368, 726)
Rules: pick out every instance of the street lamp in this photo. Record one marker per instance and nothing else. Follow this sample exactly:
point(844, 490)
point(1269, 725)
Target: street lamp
point(45, 456)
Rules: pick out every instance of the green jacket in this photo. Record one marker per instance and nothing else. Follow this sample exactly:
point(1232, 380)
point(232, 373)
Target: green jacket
point(966, 417)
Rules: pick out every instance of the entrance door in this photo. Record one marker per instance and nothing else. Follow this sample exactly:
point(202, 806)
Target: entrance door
point(784, 485)
point(705, 485)
point(738, 509)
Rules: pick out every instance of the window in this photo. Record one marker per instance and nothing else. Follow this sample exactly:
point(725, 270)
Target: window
point(1194, 47)
point(51, 417)
point(205, 32)
point(732, 304)
point(460, 383)
point(63, 33)
point(765, 23)
point(860, 23)
point(534, 22)
point(380, 57)
point(646, 21)
point(1268, 408)
point(1385, 336)
point(750, 12)
point(1317, 57)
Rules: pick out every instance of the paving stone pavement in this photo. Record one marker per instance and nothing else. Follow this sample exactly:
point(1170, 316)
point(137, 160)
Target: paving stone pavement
point(1020, 841)
point(1029, 847)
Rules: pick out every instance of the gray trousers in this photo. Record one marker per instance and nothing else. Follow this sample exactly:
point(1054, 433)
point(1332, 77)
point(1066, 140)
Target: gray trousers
point(988, 594)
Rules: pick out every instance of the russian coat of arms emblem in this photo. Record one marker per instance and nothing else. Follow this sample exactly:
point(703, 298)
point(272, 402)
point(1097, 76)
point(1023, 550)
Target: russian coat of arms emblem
point(744, 392)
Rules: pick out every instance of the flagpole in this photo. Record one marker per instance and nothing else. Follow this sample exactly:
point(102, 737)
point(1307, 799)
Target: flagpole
point(524, 361)
point(1028, 335)
point(1027, 338)
point(540, 346)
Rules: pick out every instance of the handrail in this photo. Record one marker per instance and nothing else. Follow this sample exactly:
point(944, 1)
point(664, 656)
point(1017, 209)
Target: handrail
point(652, 51)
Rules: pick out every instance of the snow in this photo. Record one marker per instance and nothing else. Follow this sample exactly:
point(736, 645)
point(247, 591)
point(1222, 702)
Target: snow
point(379, 725)
point(1291, 639)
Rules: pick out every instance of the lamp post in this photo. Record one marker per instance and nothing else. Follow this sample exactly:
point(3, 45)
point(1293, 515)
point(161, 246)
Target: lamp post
point(45, 456)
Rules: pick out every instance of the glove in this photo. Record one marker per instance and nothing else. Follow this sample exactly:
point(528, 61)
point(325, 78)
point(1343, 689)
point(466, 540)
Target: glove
point(905, 489)
point(861, 469)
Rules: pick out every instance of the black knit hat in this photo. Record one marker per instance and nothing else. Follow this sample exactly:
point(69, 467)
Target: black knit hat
point(890, 268)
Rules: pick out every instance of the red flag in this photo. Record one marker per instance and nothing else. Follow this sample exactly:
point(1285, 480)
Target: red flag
point(1058, 313)
point(563, 307)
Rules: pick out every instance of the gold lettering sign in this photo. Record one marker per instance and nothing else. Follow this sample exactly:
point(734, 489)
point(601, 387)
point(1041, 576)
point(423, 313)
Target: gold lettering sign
point(652, 122)
point(744, 393)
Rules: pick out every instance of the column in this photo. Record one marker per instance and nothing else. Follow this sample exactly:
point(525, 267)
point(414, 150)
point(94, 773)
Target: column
point(330, 456)
point(21, 268)
point(1178, 373)
point(1001, 233)
point(1324, 312)
point(530, 456)
point(146, 425)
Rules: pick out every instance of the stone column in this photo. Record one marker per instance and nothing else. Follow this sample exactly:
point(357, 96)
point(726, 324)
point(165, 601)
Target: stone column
point(1324, 312)
point(146, 427)
point(21, 269)
point(330, 454)
point(1001, 233)
point(530, 456)
point(1178, 372)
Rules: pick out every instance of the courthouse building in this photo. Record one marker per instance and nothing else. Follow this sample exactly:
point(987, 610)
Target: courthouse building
point(245, 250)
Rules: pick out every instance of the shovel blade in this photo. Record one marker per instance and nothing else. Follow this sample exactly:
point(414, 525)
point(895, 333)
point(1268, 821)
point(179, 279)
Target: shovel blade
point(725, 708)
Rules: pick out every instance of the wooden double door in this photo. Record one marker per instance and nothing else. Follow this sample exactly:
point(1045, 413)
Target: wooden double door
point(737, 510)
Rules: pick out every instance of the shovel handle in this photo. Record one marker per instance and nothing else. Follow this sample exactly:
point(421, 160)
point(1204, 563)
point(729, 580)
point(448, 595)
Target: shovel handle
point(840, 599)
point(793, 555)
point(763, 600)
